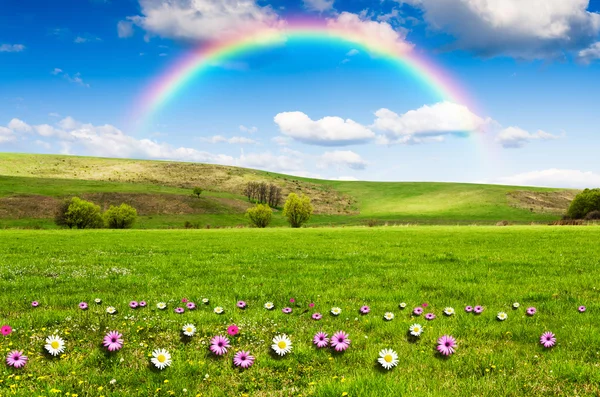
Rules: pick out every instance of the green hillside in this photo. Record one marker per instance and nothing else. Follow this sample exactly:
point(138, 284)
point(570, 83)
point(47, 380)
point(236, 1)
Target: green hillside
point(31, 186)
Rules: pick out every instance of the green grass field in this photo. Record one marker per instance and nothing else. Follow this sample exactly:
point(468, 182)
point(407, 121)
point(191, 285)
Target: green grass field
point(554, 269)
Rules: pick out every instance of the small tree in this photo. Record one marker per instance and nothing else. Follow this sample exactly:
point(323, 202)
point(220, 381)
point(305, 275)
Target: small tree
point(584, 203)
point(121, 217)
point(60, 218)
point(297, 210)
point(198, 191)
point(260, 216)
point(82, 214)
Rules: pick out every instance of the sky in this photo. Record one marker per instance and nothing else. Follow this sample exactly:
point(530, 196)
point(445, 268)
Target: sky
point(77, 78)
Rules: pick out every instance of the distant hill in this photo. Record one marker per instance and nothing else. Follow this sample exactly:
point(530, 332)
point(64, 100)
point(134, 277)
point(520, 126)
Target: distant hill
point(31, 186)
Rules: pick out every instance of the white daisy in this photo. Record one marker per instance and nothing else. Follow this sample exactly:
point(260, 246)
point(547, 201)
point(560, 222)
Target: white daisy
point(388, 358)
point(415, 330)
point(111, 310)
point(502, 316)
point(449, 311)
point(269, 305)
point(161, 305)
point(189, 330)
point(282, 345)
point(55, 345)
point(402, 305)
point(389, 316)
point(161, 358)
point(516, 305)
point(336, 311)
point(205, 301)
point(219, 310)
point(98, 301)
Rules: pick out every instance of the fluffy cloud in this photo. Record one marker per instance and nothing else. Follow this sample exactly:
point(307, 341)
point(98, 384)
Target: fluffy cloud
point(319, 5)
point(590, 54)
point(328, 131)
point(6, 135)
point(203, 19)
point(515, 137)
point(239, 140)
point(381, 32)
point(575, 179)
point(12, 47)
point(125, 29)
point(524, 29)
point(342, 158)
point(428, 123)
point(19, 126)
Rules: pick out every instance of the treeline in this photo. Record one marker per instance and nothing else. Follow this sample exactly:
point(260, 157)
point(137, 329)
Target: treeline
point(76, 213)
point(263, 193)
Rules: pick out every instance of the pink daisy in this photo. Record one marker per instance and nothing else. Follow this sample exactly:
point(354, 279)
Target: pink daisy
point(425, 304)
point(340, 341)
point(317, 316)
point(446, 345)
point(321, 340)
point(365, 310)
point(469, 309)
point(35, 303)
point(243, 359)
point(219, 345)
point(83, 306)
point(190, 305)
point(311, 305)
point(581, 309)
point(184, 300)
point(241, 304)
point(478, 309)
point(417, 311)
point(548, 339)
point(179, 310)
point(292, 300)
point(133, 304)
point(16, 359)
point(531, 311)
point(429, 316)
point(233, 330)
point(5, 330)
point(143, 304)
point(113, 341)
point(287, 310)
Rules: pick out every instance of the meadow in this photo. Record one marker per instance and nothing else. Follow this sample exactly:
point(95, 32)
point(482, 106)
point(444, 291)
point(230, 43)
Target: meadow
point(555, 269)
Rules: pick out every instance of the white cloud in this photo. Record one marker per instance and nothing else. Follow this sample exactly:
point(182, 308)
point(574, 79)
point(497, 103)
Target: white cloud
point(288, 162)
point(381, 32)
point(515, 137)
point(53, 114)
point(318, 5)
point(428, 123)
point(76, 78)
point(344, 178)
point(561, 178)
point(328, 131)
point(249, 130)
point(86, 38)
point(203, 19)
point(125, 29)
point(342, 158)
point(281, 140)
point(239, 140)
point(19, 126)
point(352, 52)
point(526, 29)
point(590, 54)
point(12, 47)
point(6, 135)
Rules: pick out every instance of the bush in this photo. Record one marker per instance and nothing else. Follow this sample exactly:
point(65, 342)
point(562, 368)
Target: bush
point(197, 191)
point(593, 216)
point(121, 217)
point(191, 225)
point(79, 214)
point(260, 216)
point(297, 210)
point(584, 203)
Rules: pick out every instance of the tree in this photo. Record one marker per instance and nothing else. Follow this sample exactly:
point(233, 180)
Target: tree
point(79, 214)
point(584, 203)
point(198, 191)
point(121, 217)
point(297, 210)
point(260, 216)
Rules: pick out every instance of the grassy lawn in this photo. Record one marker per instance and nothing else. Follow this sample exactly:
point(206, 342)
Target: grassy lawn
point(553, 269)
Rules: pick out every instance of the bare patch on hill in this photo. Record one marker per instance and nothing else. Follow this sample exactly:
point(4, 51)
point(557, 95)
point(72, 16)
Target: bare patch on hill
point(552, 202)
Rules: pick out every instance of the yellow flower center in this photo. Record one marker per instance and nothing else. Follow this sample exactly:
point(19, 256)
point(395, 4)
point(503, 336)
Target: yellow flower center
point(388, 358)
point(282, 344)
point(417, 329)
point(55, 345)
point(188, 329)
point(161, 358)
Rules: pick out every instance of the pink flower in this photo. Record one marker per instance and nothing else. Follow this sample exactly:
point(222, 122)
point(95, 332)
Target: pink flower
point(16, 359)
point(190, 305)
point(531, 311)
point(113, 341)
point(83, 306)
point(429, 316)
point(340, 341)
point(243, 359)
point(425, 304)
point(179, 310)
point(292, 300)
point(287, 310)
point(548, 339)
point(35, 303)
point(184, 300)
point(581, 309)
point(311, 305)
point(446, 345)
point(478, 309)
point(5, 330)
point(133, 304)
point(317, 316)
point(241, 304)
point(417, 311)
point(321, 340)
point(365, 310)
point(469, 309)
point(219, 345)
point(233, 330)
point(143, 304)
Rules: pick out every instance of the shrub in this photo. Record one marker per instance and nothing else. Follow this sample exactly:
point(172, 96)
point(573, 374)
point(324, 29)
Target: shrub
point(191, 225)
point(197, 191)
point(593, 216)
point(79, 214)
point(260, 216)
point(297, 210)
point(584, 203)
point(121, 217)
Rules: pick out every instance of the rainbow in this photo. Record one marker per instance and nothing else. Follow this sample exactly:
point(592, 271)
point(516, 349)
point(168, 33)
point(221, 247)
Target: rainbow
point(166, 86)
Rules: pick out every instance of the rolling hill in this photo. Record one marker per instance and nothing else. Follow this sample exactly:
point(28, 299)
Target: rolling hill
point(31, 186)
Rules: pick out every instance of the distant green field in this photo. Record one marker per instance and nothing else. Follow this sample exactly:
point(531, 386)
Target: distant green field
point(551, 268)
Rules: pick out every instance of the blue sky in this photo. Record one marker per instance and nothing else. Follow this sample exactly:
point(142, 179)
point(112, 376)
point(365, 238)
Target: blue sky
point(72, 72)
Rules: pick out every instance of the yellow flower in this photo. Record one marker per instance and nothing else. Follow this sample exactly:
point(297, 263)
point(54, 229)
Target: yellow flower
point(100, 388)
point(344, 394)
point(166, 381)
